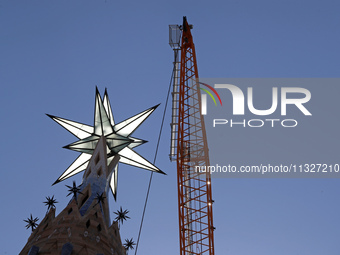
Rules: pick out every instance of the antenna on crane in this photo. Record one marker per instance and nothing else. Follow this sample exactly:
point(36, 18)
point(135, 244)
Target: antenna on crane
point(189, 148)
point(175, 43)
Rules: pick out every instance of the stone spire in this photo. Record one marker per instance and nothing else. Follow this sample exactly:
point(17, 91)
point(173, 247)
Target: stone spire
point(83, 227)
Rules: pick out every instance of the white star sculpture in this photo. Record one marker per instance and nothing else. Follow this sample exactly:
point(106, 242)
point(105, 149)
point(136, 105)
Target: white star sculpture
point(118, 140)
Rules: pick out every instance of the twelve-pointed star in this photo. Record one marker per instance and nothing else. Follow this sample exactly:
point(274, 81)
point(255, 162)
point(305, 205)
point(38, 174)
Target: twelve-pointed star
point(118, 140)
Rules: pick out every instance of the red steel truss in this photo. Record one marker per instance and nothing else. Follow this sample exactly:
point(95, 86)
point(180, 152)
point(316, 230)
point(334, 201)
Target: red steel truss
point(194, 187)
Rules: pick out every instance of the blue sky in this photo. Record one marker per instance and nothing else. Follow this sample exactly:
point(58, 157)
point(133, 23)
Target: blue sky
point(54, 53)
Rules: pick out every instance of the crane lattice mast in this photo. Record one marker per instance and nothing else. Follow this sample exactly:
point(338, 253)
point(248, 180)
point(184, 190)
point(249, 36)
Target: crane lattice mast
point(190, 149)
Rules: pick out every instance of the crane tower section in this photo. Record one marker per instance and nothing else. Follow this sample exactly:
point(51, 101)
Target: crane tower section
point(189, 148)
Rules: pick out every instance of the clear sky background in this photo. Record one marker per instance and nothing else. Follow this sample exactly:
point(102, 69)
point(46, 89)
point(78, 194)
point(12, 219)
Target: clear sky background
point(54, 53)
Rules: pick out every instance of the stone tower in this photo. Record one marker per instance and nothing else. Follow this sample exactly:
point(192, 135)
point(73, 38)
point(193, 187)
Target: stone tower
point(83, 226)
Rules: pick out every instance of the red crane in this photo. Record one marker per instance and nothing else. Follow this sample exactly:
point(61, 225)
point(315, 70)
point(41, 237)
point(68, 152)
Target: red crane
point(189, 148)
